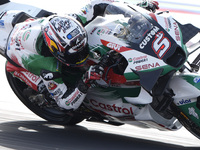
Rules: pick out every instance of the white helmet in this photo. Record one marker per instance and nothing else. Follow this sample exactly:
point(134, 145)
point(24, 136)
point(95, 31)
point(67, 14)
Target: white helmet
point(66, 39)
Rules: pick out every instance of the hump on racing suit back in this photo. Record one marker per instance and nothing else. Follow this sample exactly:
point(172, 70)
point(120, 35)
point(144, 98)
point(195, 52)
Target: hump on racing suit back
point(8, 19)
point(12, 13)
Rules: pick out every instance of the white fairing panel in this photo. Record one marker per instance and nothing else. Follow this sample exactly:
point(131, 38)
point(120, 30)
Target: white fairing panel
point(143, 98)
point(183, 90)
point(170, 25)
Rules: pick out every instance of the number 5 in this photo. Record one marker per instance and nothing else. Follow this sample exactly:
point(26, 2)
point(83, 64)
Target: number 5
point(161, 44)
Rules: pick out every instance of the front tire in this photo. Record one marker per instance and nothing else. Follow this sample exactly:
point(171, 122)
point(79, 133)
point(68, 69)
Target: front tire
point(185, 120)
point(48, 113)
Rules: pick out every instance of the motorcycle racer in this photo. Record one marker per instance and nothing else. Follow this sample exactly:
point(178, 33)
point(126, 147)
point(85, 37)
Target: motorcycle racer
point(54, 49)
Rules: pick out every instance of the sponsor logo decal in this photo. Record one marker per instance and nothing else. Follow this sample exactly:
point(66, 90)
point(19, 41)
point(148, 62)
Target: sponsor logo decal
point(16, 38)
point(52, 86)
point(74, 98)
point(184, 101)
point(196, 80)
point(29, 78)
point(104, 31)
point(161, 44)
point(26, 35)
point(168, 25)
point(137, 60)
point(58, 93)
point(2, 24)
point(61, 25)
point(86, 9)
point(193, 113)
point(149, 36)
point(115, 46)
point(112, 107)
point(93, 30)
point(147, 66)
point(176, 30)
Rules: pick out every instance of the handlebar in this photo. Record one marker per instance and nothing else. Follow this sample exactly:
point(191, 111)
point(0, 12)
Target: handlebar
point(113, 60)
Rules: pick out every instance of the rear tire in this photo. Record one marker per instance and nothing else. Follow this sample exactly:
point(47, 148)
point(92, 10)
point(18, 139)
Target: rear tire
point(49, 114)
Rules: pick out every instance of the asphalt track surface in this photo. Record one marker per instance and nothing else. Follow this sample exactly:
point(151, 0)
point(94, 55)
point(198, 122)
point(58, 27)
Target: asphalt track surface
point(20, 129)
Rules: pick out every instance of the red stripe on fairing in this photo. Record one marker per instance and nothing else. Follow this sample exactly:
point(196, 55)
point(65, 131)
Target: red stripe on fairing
point(27, 80)
point(115, 46)
point(153, 16)
point(11, 68)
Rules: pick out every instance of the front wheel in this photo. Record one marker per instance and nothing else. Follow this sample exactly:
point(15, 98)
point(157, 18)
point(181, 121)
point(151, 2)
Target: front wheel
point(49, 113)
point(187, 121)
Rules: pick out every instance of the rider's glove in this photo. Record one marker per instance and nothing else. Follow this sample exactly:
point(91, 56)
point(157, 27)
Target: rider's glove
point(153, 6)
point(94, 73)
point(150, 6)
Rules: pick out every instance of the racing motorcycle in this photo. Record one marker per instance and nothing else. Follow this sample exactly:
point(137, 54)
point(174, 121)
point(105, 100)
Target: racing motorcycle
point(148, 79)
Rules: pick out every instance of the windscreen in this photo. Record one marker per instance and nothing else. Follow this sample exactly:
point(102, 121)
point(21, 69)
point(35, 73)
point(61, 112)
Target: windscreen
point(135, 27)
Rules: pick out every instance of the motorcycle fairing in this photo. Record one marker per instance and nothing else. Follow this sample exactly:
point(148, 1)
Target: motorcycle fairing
point(173, 53)
point(101, 39)
point(156, 41)
point(172, 58)
point(111, 106)
point(187, 91)
point(101, 30)
point(185, 94)
point(188, 31)
point(148, 80)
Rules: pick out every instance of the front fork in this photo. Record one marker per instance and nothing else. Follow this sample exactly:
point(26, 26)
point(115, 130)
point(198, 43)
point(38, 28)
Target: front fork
point(166, 101)
point(162, 104)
